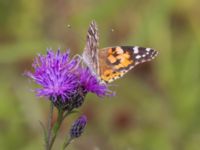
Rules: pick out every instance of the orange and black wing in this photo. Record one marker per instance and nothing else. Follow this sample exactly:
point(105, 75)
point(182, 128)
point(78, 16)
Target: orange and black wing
point(114, 62)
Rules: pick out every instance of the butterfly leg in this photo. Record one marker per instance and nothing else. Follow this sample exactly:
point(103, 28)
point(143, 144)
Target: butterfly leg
point(77, 58)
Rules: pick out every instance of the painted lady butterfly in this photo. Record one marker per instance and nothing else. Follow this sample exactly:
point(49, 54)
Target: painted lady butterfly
point(112, 63)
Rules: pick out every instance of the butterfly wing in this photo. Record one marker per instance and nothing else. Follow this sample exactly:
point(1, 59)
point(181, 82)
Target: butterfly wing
point(90, 53)
point(112, 63)
point(116, 61)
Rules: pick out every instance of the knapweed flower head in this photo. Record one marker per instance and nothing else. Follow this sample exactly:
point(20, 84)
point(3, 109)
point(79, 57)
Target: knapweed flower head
point(92, 84)
point(54, 73)
point(63, 80)
point(78, 127)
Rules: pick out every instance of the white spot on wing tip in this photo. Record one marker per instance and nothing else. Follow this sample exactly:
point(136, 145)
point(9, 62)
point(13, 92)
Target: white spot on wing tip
point(143, 55)
point(148, 49)
point(135, 50)
point(138, 57)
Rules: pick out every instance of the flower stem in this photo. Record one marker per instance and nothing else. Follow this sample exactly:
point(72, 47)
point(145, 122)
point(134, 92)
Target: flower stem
point(56, 127)
point(47, 141)
point(67, 143)
point(66, 114)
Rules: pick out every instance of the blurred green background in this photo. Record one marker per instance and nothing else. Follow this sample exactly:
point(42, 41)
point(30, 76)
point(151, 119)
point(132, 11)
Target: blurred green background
point(157, 103)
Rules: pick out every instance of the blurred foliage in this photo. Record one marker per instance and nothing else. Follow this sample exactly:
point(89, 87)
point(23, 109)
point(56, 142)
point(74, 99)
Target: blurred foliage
point(157, 104)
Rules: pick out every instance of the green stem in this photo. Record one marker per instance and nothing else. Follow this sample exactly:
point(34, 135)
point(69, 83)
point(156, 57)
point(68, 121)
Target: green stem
point(66, 114)
point(49, 126)
point(56, 127)
point(67, 143)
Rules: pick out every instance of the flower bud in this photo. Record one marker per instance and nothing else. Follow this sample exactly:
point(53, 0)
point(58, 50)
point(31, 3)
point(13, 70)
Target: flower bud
point(78, 127)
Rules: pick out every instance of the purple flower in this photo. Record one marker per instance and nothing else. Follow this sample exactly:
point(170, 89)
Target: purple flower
point(54, 72)
point(78, 127)
point(64, 81)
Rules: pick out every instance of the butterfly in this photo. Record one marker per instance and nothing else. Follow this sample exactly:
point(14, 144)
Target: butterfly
point(111, 63)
